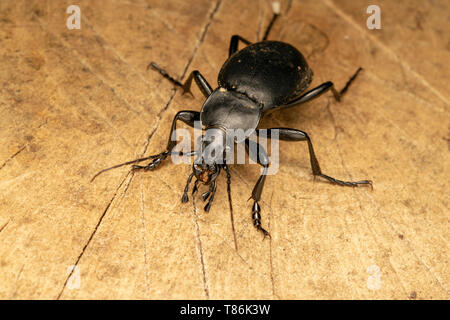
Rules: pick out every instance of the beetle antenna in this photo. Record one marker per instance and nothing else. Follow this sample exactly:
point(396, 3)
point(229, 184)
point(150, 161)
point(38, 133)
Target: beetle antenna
point(276, 13)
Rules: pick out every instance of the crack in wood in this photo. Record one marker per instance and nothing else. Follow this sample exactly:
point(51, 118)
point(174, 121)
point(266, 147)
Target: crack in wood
point(373, 219)
point(203, 33)
point(272, 276)
point(91, 236)
point(260, 20)
point(144, 240)
point(4, 226)
point(200, 248)
point(407, 244)
point(386, 220)
point(13, 156)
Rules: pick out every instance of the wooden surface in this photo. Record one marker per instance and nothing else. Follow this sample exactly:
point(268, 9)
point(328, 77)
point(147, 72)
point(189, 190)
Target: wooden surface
point(73, 102)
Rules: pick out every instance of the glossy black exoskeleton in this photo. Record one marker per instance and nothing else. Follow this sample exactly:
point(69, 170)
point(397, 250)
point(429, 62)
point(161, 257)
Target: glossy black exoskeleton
point(261, 77)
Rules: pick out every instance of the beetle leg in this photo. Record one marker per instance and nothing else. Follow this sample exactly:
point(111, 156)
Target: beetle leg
point(257, 153)
point(201, 82)
point(211, 199)
point(318, 91)
point(154, 164)
point(297, 135)
point(276, 13)
point(195, 188)
point(185, 197)
point(206, 194)
point(187, 116)
point(164, 74)
point(234, 43)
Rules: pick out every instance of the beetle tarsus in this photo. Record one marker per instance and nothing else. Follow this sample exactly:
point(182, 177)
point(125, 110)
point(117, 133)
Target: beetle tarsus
point(347, 183)
point(164, 74)
point(154, 164)
point(265, 233)
point(347, 85)
point(256, 216)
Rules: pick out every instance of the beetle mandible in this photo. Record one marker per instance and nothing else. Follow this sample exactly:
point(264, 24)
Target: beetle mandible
point(263, 76)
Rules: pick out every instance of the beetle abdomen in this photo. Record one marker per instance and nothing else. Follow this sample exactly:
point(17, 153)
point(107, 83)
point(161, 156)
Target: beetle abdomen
point(268, 72)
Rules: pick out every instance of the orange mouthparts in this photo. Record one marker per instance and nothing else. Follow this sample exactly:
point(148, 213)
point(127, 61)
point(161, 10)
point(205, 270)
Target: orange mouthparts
point(204, 176)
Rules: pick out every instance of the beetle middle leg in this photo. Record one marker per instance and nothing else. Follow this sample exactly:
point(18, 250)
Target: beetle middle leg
point(319, 90)
point(201, 82)
point(187, 116)
point(288, 134)
point(257, 153)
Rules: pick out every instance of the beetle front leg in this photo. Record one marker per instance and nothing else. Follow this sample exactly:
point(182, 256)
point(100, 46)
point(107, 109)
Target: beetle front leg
point(257, 153)
point(187, 116)
point(159, 158)
point(185, 197)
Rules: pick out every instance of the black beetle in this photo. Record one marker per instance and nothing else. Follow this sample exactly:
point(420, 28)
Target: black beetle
point(261, 77)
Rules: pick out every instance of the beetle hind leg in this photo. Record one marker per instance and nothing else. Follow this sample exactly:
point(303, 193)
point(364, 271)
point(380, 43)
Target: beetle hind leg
point(234, 43)
point(276, 13)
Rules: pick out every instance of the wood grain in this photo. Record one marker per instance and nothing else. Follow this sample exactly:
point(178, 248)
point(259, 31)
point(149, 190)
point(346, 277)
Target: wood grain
point(73, 102)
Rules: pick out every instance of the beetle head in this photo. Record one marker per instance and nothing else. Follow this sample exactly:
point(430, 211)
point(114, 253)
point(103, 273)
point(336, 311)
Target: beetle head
point(207, 165)
point(206, 173)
